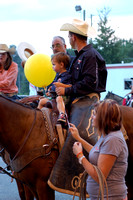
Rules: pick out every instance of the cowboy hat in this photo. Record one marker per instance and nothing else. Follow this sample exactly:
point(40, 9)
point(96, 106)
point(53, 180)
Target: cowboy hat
point(25, 50)
point(80, 27)
point(4, 48)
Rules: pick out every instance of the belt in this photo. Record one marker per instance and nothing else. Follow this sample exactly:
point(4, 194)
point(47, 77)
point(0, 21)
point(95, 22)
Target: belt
point(90, 95)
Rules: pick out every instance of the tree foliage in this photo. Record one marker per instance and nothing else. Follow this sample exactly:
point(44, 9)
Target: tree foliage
point(113, 49)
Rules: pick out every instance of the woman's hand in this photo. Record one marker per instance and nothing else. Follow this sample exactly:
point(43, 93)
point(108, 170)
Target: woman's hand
point(74, 131)
point(77, 148)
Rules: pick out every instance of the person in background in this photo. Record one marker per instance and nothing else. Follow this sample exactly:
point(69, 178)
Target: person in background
point(60, 62)
point(59, 45)
point(109, 154)
point(25, 50)
point(128, 100)
point(8, 72)
point(88, 69)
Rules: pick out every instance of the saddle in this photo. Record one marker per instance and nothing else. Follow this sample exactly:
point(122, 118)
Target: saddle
point(50, 119)
point(67, 171)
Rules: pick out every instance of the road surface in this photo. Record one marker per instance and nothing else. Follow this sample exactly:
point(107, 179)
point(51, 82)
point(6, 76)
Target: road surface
point(8, 190)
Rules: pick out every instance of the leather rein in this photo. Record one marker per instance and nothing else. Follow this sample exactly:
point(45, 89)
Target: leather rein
point(45, 150)
point(3, 169)
point(26, 138)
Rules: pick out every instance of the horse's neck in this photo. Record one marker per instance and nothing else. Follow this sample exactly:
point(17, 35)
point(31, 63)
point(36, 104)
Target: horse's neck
point(14, 120)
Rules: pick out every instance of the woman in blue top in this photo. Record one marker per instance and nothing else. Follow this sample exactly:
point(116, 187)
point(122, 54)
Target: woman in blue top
point(109, 154)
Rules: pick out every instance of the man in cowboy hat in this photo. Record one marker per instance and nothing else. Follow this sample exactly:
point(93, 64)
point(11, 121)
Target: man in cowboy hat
point(88, 68)
point(8, 72)
point(89, 75)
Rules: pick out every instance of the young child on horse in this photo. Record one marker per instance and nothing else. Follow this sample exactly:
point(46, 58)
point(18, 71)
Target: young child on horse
point(60, 62)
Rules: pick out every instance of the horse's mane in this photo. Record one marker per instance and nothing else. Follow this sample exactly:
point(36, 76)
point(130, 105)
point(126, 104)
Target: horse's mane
point(17, 102)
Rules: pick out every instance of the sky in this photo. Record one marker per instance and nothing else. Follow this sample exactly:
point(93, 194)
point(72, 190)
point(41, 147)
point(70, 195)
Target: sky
point(38, 21)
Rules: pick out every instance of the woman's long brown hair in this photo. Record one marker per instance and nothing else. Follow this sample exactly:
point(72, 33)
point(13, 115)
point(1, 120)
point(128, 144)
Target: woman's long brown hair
point(108, 116)
point(8, 61)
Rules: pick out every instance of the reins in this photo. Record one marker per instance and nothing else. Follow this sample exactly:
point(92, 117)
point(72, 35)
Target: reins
point(26, 138)
point(102, 182)
point(45, 150)
point(2, 169)
point(9, 174)
point(82, 184)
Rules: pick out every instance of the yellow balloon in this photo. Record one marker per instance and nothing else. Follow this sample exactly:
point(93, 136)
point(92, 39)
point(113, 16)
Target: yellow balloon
point(38, 70)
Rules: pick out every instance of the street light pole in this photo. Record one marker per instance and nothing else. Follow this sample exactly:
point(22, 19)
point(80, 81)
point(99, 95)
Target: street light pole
point(91, 19)
point(79, 8)
point(84, 15)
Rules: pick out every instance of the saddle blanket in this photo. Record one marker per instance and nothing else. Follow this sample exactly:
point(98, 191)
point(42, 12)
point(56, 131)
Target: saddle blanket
point(67, 171)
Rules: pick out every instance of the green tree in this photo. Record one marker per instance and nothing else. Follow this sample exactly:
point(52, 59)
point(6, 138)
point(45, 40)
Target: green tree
point(105, 42)
point(127, 50)
point(71, 52)
point(113, 49)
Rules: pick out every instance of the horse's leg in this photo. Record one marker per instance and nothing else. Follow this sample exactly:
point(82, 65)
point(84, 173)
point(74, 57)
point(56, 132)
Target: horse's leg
point(24, 191)
point(28, 194)
point(45, 192)
point(21, 190)
point(129, 185)
point(129, 180)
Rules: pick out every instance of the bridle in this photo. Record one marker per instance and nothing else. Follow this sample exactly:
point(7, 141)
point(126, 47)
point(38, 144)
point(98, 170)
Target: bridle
point(26, 138)
point(45, 150)
point(21, 147)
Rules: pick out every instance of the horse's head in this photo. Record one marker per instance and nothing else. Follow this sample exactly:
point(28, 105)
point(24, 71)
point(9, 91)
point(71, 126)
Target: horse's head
point(117, 98)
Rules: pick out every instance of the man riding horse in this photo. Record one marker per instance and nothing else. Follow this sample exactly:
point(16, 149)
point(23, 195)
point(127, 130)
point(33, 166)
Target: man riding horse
point(88, 69)
point(89, 76)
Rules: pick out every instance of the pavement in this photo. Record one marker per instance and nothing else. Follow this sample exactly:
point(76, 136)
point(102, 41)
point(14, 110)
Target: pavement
point(8, 190)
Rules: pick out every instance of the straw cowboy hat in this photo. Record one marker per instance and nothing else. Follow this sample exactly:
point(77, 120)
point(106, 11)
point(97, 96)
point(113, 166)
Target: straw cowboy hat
point(25, 50)
point(80, 27)
point(4, 48)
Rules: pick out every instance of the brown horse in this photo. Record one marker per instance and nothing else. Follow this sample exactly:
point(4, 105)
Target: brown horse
point(127, 114)
point(24, 191)
point(17, 121)
point(23, 131)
